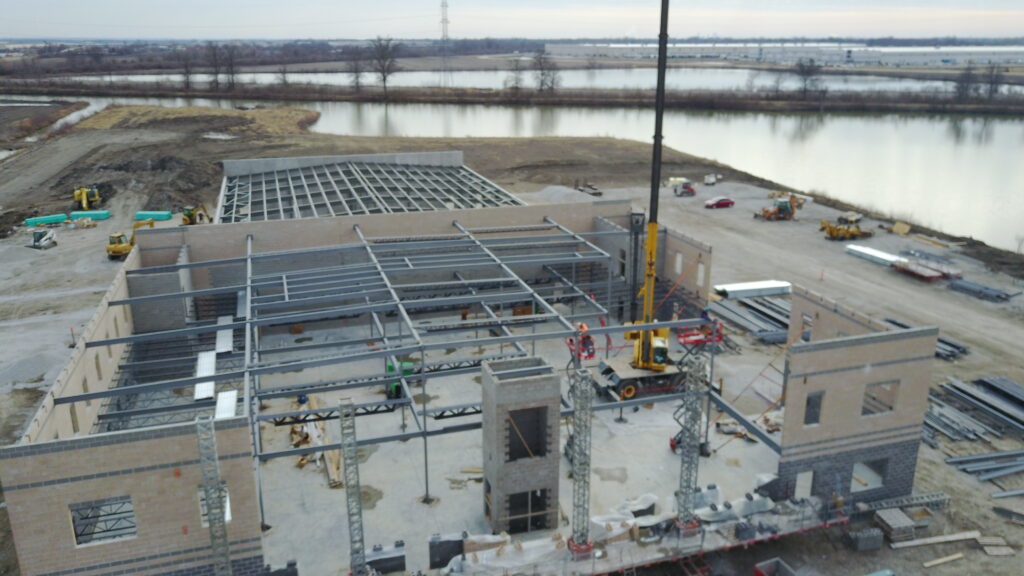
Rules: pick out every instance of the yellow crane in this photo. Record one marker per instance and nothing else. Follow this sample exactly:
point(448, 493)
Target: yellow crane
point(119, 245)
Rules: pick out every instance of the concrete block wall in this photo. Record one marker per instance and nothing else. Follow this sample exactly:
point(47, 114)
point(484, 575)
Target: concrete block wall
point(159, 315)
point(833, 472)
point(500, 396)
point(159, 469)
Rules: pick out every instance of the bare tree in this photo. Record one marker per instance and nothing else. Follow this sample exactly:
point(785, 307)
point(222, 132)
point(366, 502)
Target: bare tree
point(185, 57)
point(965, 86)
point(355, 67)
point(282, 75)
point(808, 72)
point(546, 72)
point(384, 60)
point(230, 65)
point(213, 61)
point(514, 81)
point(993, 81)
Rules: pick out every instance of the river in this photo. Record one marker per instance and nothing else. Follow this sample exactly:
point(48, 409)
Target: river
point(615, 78)
point(957, 174)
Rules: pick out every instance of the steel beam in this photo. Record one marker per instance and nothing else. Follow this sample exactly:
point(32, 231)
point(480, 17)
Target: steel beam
point(743, 421)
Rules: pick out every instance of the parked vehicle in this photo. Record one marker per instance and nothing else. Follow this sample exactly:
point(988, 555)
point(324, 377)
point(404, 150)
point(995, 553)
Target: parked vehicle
point(682, 186)
point(720, 202)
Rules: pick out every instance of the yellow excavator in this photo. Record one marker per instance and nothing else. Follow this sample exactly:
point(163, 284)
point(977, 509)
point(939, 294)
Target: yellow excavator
point(87, 197)
point(120, 244)
point(194, 215)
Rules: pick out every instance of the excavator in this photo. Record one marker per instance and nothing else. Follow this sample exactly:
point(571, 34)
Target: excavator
point(120, 244)
point(194, 215)
point(87, 197)
point(783, 209)
point(843, 231)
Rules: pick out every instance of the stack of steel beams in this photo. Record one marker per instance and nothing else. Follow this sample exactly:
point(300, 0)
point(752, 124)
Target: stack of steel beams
point(767, 318)
point(981, 291)
point(954, 424)
point(991, 465)
point(945, 348)
point(1001, 406)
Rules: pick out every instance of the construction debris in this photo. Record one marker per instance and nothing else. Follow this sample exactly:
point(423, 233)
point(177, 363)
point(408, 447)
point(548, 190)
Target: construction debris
point(943, 560)
point(959, 536)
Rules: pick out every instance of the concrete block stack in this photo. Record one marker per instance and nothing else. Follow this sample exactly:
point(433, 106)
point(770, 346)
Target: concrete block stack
point(865, 540)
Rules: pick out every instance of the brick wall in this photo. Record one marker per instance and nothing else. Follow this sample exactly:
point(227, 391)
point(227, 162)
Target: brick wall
point(159, 469)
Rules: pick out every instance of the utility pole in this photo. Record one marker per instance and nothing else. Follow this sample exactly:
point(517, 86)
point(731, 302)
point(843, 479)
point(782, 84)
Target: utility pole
point(582, 390)
point(353, 495)
point(213, 492)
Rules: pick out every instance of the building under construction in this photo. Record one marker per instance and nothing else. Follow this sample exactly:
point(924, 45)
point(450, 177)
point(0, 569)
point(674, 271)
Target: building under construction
point(373, 362)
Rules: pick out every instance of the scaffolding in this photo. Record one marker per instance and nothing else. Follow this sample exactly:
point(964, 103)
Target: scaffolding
point(213, 493)
point(353, 496)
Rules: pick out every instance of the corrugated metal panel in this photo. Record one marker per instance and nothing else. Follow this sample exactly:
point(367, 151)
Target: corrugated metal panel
point(206, 365)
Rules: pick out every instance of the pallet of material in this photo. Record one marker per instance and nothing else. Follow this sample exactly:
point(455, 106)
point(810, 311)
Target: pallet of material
point(958, 537)
point(872, 255)
point(998, 550)
point(898, 527)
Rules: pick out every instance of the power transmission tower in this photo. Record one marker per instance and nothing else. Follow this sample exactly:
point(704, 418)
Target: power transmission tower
point(213, 492)
point(582, 391)
point(445, 73)
point(353, 495)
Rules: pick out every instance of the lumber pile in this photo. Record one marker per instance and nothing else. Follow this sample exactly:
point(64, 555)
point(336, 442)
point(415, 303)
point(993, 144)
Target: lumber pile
point(959, 536)
point(315, 434)
point(898, 527)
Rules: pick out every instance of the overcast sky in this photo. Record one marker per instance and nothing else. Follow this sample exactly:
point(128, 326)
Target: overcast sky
point(223, 19)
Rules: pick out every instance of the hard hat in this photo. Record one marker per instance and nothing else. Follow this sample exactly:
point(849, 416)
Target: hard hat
point(584, 327)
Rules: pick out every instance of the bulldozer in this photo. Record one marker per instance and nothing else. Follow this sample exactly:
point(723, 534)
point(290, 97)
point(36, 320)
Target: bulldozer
point(783, 209)
point(842, 232)
point(194, 215)
point(120, 244)
point(87, 197)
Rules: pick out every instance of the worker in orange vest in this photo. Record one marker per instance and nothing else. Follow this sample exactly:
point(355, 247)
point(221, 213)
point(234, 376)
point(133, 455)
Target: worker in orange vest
point(586, 342)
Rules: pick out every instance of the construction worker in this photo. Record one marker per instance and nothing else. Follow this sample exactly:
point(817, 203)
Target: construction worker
point(586, 342)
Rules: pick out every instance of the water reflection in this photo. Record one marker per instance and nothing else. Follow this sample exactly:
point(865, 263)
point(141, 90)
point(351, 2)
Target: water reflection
point(897, 164)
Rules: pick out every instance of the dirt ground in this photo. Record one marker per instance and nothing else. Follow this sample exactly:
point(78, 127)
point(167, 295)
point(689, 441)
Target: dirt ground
point(157, 160)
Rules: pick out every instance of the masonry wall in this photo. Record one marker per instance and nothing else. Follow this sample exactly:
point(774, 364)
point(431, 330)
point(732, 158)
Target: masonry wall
point(159, 469)
point(499, 398)
point(838, 372)
point(825, 318)
point(687, 261)
point(87, 370)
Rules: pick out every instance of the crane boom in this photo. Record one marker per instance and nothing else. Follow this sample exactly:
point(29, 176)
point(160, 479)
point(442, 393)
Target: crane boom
point(650, 349)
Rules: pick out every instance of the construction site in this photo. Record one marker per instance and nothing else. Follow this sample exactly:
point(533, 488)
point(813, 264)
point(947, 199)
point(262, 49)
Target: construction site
point(438, 357)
